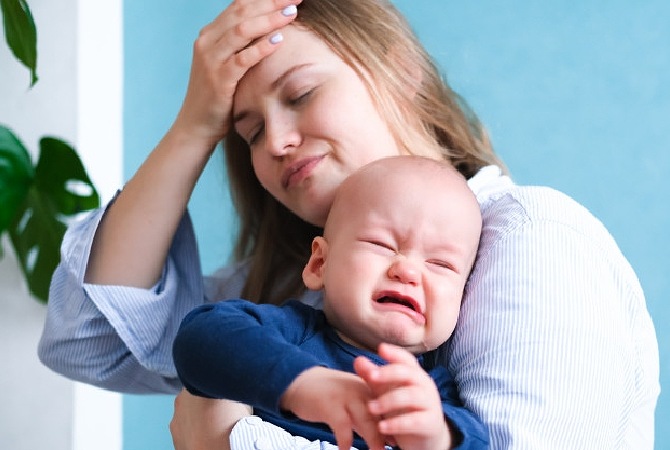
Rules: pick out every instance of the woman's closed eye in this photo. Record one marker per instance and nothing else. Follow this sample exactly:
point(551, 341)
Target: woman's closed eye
point(300, 97)
point(254, 135)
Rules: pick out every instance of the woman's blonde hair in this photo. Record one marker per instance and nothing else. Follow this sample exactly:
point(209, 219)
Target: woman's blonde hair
point(374, 38)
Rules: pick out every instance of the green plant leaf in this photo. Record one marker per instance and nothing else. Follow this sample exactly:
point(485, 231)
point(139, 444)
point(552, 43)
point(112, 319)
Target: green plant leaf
point(60, 191)
point(16, 175)
point(36, 238)
point(21, 34)
point(60, 176)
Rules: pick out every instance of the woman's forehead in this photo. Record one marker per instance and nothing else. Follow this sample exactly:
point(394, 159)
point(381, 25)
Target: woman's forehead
point(299, 47)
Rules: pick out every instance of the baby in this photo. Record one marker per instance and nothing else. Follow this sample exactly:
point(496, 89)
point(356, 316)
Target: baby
point(398, 246)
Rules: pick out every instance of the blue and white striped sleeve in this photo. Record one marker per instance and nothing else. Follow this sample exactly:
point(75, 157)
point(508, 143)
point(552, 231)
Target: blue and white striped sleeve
point(116, 337)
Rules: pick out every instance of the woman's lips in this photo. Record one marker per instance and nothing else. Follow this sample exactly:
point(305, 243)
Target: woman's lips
point(299, 170)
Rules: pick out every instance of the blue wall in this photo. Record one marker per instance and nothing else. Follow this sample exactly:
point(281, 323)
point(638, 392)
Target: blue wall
point(158, 39)
point(575, 96)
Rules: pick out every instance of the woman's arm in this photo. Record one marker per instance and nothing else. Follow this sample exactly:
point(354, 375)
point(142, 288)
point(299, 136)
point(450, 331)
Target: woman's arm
point(202, 423)
point(117, 337)
point(124, 283)
point(133, 239)
point(134, 236)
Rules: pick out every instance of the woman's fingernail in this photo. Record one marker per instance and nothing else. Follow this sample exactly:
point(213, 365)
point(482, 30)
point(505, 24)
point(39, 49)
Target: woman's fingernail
point(276, 38)
point(290, 10)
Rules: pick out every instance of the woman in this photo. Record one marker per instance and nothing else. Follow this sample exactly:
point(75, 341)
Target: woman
point(301, 106)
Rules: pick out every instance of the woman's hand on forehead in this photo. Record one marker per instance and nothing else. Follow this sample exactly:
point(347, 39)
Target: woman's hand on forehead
point(239, 38)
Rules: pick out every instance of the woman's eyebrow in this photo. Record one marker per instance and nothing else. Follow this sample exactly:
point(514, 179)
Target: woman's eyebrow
point(282, 78)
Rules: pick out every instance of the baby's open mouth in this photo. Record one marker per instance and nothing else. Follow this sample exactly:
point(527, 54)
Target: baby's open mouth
point(398, 301)
point(389, 301)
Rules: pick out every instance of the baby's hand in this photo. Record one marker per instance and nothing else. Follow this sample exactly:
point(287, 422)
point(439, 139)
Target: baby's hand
point(407, 400)
point(337, 398)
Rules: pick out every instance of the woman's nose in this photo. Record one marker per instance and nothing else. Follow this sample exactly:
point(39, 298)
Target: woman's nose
point(281, 134)
point(404, 271)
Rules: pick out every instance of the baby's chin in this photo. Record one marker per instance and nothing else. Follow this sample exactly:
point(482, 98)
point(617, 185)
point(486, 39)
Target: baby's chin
point(410, 338)
point(405, 339)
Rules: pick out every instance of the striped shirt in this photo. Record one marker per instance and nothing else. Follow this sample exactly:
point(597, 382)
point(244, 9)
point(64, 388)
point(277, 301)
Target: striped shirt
point(554, 348)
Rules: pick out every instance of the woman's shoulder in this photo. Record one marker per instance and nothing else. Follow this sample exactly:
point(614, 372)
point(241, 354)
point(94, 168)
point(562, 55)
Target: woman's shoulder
point(508, 208)
point(521, 204)
point(502, 199)
point(498, 195)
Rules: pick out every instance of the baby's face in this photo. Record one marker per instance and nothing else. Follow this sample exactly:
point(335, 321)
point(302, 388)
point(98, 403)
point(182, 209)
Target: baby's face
point(399, 252)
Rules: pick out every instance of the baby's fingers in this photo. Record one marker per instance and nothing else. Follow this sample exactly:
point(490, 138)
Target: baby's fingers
point(418, 423)
point(364, 425)
point(344, 437)
point(365, 369)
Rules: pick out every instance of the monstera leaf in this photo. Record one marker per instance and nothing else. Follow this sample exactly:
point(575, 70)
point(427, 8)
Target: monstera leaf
point(36, 203)
point(16, 176)
point(20, 33)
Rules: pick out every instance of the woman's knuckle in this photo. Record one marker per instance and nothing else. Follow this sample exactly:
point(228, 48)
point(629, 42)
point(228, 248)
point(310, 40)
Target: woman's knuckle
point(199, 44)
point(238, 29)
point(242, 59)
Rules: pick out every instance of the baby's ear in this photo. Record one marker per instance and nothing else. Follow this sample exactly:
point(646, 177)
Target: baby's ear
point(312, 274)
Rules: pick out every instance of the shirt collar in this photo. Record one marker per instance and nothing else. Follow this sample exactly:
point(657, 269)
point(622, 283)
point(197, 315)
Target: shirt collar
point(487, 182)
